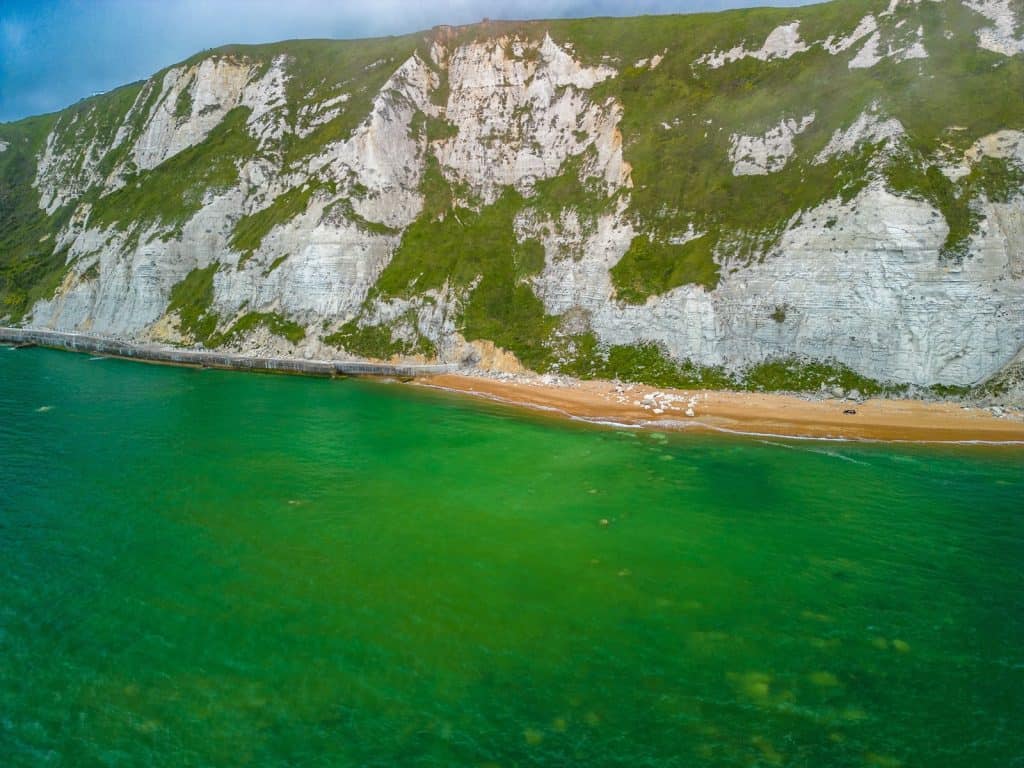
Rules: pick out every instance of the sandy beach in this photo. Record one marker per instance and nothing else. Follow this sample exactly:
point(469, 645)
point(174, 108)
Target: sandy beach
point(742, 412)
point(638, 405)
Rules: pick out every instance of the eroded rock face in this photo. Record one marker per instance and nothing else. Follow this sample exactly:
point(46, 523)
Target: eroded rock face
point(65, 173)
point(860, 282)
point(767, 153)
point(863, 282)
point(192, 102)
point(836, 44)
point(384, 157)
point(519, 117)
point(782, 43)
point(903, 48)
point(869, 127)
point(897, 42)
point(1000, 37)
point(135, 279)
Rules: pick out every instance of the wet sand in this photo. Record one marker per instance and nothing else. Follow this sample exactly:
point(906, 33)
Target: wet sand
point(742, 412)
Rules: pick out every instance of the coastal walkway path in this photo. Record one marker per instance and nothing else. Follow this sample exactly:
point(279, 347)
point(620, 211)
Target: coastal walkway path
point(102, 345)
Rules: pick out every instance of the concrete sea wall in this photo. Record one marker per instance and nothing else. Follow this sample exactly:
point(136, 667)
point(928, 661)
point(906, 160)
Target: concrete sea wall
point(80, 342)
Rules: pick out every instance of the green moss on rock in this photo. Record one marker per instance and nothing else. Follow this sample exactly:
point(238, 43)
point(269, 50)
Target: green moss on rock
point(183, 104)
point(31, 266)
point(376, 342)
point(653, 268)
point(250, 230)
point(646, 362)
point(477, 248)
point(192, 299)
point(796, 375)
point(275, 323)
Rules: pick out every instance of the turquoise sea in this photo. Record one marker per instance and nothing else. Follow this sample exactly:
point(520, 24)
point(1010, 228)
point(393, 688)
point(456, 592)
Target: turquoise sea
point(202, 568)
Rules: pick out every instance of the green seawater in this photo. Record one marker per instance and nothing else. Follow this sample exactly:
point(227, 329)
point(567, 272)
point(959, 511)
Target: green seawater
point(203, 568)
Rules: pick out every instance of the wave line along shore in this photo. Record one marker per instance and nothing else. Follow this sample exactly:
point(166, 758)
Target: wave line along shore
point(753, 414)
point(602, 402)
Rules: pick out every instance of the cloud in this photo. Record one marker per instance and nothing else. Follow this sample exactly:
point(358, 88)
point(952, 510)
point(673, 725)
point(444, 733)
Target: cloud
point(58, 51)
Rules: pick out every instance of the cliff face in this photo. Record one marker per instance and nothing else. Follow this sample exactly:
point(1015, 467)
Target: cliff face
point(814, 195)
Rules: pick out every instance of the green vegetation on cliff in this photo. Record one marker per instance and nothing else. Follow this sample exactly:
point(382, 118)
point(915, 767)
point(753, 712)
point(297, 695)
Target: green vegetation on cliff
point(273, 322)
point(650, 364)
point(30, 266)
point(656, 267)
point(250, 230)
point(679, 119)
point(460, 247)
point(351, 71)
point(995, 178)
point(192, 299)
point(378, 341)
point(173, 192)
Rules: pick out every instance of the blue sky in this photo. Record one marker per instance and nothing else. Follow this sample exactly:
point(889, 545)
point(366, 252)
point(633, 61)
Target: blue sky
point(55, 52)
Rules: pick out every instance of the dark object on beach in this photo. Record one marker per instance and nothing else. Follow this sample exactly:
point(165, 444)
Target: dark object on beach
point(850, 412)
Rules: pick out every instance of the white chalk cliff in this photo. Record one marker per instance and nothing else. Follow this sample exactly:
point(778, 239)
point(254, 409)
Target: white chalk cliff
point(859, 279)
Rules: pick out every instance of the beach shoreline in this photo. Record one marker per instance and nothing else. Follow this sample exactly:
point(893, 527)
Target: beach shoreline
point(616, 404)
point(754, 414)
